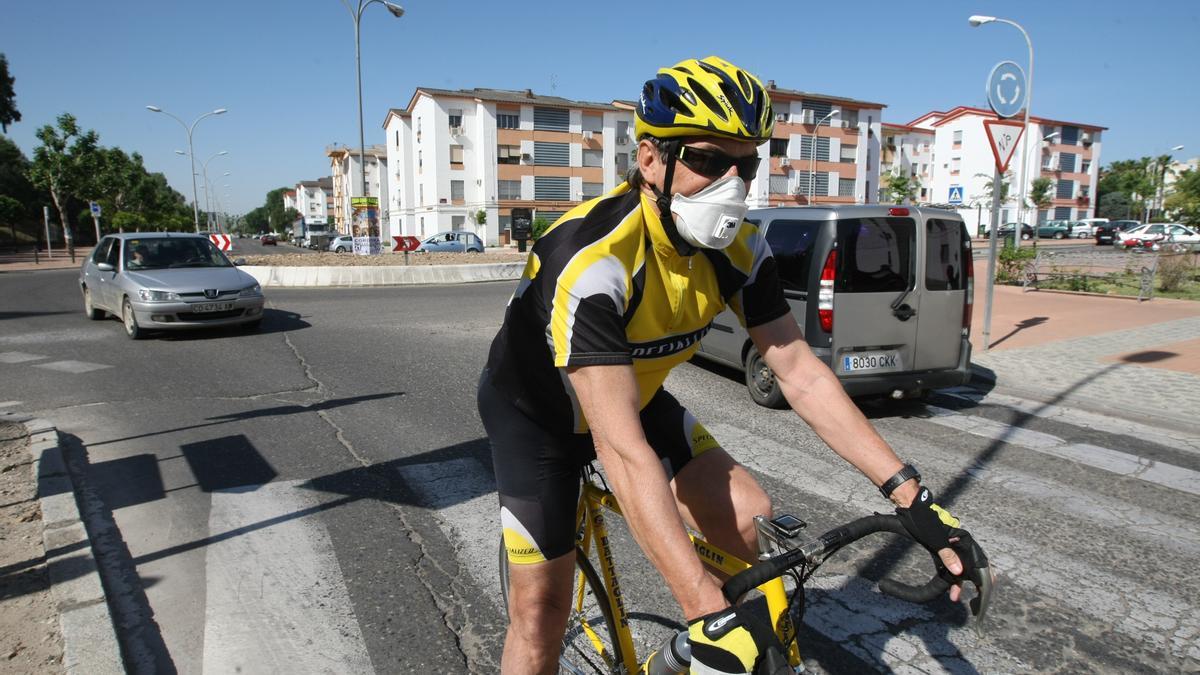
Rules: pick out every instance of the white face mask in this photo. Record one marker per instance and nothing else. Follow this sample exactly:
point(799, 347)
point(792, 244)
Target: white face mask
point(711, 217)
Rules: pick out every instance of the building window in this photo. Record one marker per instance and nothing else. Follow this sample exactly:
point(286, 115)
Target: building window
point(779, 184)
point(779, 147)
point(508, 154)
point(551, 154)
point(593, 157)
point(397, 138)
point(845, 187)
point(421, 191)
point(806, 144)
point(552, 188)
point(551, 119)
point(456, 155)
point(508, 189)
point(420, 160)
point(455, 118)
point(958, 138)
point(848, 153)
point(593, 123)
point(850, 117)
point(955, 165)
point(1062, 212)
point(814, 111)
point(1066, 162)
point(457, 190)
point(1085, 166)
point(1065, 190)
point(457, 222)
point(591, 190)
point(1083, 190)
point(508, 121)
point(820, 183)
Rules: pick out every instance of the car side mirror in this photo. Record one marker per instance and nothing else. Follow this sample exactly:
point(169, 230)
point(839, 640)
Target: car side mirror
point(105, 267)
point(239, 262)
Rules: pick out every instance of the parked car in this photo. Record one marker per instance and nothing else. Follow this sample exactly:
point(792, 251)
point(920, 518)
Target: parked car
point(1007, 229)
point(268, 240)
point(1106, 233)
point(452, 242)
point(882, 293)
point(167, 281)
point(1057, 229)
point(1154, 237)
point(1085, 228)
point(341, 243)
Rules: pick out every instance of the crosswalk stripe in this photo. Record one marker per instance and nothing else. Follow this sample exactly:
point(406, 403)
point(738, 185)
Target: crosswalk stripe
point(1081, 418)
point(1113, 461)
point(276, 602)
point(19, 357)
point(462, 495)
point(9, 404)
point(74, 367)
point(1132, 607)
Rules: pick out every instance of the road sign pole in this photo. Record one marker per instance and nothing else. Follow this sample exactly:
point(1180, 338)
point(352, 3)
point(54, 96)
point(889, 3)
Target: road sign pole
point(991, 273)
point(49, 243)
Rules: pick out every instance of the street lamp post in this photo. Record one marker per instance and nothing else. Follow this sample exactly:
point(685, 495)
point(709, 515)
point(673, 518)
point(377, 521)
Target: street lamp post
point(207, 203)
point(191, 153)
point(397, 11)
point(977, 21)
point(812, 157)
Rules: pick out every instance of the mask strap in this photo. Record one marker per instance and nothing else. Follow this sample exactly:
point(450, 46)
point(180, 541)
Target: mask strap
point(663, 200)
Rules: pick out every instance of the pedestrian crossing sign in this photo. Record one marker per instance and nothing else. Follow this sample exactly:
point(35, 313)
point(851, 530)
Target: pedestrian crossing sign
point(956, 193)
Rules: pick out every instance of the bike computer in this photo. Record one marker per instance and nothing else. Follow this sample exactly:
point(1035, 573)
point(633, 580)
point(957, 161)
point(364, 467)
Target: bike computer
point(788, 525)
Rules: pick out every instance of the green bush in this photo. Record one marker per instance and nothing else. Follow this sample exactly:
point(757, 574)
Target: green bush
point(1174, 271)
point(539, 227)
point(1012, 261)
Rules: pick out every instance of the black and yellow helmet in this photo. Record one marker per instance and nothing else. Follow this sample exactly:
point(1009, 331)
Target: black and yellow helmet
point(705, 97)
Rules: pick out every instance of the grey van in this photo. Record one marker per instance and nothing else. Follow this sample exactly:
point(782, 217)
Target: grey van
point(882, 293)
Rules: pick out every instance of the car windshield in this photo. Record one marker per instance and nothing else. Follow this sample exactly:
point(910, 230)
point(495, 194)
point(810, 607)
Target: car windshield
point(164, 252)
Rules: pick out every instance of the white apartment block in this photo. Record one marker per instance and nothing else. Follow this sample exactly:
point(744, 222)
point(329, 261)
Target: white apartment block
point(1068, 153)
point(907, 151)
point(314, 201)
point(837, 139)
point(346, 182)
point(452, 154)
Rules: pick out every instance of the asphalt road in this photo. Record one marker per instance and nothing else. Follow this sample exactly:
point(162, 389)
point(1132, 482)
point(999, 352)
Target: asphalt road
point(317, 496)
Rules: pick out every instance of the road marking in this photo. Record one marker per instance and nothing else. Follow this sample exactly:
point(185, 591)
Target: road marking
point(74, 367)
point(461, 493)
point(18, 357)
point(276, 601)
point(9, 404)
point(1113, 461)
point(1081, 418)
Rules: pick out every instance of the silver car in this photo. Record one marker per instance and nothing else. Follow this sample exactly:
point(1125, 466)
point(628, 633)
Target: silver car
point(167, 281)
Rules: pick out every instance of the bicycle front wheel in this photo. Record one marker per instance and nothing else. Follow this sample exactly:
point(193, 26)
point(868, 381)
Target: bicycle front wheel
point(590, 643)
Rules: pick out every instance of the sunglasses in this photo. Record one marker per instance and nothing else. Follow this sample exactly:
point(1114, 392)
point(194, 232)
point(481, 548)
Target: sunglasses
point(714, 164)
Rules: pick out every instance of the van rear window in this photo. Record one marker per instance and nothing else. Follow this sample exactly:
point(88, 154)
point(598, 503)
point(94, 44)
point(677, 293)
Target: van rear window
point(945, 255)
point(875, 254)
point(791, 243)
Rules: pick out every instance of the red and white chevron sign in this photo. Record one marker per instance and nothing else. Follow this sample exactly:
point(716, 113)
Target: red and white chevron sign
point(222, 241)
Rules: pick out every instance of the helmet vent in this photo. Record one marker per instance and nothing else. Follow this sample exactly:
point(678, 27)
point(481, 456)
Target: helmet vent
point(710, 102)
point(745, 83)
point(670, 100)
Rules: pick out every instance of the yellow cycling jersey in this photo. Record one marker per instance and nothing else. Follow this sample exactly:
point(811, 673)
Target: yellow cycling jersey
point(605, 285)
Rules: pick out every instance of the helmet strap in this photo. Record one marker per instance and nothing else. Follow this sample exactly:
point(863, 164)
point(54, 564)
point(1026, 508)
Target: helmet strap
point(662, 199)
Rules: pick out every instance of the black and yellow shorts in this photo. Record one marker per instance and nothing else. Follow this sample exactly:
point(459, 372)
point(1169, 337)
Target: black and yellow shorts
point(538, 471)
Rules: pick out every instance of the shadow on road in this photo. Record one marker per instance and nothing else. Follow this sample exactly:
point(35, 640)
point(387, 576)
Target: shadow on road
point(274, 321)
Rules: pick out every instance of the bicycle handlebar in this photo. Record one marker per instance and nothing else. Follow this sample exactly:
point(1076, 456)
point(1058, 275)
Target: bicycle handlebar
point(974, 561)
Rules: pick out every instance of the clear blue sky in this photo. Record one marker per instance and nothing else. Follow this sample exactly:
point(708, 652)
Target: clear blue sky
point(285, 70)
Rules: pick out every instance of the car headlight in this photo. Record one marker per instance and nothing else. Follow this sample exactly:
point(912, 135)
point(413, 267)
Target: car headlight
point(157, 296)
point(251, 291)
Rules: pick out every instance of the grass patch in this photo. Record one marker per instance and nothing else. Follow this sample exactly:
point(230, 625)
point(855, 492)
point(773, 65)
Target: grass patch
point(1119, 283)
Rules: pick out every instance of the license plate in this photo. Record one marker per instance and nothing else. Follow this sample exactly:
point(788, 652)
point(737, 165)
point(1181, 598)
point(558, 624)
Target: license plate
point(212, 307)
point(887, 360)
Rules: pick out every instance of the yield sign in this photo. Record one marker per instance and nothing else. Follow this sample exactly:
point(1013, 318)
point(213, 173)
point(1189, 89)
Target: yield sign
point(1003, 136)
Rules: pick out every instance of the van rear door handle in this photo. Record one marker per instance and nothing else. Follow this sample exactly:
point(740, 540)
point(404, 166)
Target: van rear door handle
point(904, 312)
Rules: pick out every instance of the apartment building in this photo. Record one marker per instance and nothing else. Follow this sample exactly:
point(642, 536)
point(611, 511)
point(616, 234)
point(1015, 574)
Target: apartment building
point(346, 182)
point(836, 139)
point(907, 151)
point(1068, 153)
point(456, 153)
point(314, 201)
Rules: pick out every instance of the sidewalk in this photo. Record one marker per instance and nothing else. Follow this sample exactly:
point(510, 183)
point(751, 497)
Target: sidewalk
point(23, 261)
point(1138, 360)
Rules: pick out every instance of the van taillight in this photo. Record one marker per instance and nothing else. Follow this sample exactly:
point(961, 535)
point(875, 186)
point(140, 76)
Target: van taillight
point(969, 298)
point(825, 292)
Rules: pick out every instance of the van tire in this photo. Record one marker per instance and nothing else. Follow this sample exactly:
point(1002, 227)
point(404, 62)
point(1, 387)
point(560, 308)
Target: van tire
point(764, 388)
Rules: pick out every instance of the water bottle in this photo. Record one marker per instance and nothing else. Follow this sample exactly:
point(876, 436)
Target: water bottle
point(673, 658)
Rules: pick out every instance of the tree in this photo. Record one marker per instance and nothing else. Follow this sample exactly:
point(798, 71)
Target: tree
point(8, 97)
point(127, 221)
point(1133, 178)
point(63, 165)
point(10, 211)
point(1114, 206)
point(900, 187)
point(1005, 180)
point(1039, 193)
point(1184, 200)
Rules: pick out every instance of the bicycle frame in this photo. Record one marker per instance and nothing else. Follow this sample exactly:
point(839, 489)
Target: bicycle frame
point(592, 530)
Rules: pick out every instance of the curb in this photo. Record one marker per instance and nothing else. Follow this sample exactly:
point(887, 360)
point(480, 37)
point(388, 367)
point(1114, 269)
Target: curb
point(381, 275)
point(89, 636)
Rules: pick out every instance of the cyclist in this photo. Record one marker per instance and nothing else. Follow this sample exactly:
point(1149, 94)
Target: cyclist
point(616, 293)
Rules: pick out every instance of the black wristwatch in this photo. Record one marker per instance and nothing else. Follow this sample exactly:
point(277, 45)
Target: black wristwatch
point(906, 472)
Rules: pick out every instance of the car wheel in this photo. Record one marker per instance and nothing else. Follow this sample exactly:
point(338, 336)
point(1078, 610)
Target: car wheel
point(764, 388)
point(88, 308)
point(1024, 236)
point(132, 329)
point(341, 249)
point(1059, 235)
point(474, 250)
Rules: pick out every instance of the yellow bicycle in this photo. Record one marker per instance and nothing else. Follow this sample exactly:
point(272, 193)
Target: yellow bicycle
point(599, 638)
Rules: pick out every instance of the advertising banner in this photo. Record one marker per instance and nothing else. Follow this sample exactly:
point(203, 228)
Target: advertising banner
point(365, 225)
